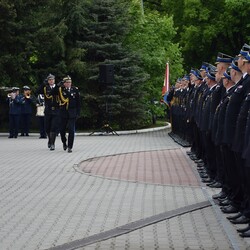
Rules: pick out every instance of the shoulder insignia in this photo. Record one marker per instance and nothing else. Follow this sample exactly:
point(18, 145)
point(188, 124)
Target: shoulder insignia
point(238, 89)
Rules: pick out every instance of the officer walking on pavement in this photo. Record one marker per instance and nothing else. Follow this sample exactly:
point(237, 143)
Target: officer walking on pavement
point(52, 115)
point(69, 111)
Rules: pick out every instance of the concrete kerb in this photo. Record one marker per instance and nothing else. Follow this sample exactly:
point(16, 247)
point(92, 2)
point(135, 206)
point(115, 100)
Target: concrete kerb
point(125, 132)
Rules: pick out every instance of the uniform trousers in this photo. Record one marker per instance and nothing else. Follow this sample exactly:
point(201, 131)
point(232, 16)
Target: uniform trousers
point(233, 176)
point(25, 123)
point(14, 121)
point(52, 122)
point(197, 139)
point(242, 187)
point(42, 126)
point(209, 154)
point(246, 200)
point(70, 124)
point(220, 168)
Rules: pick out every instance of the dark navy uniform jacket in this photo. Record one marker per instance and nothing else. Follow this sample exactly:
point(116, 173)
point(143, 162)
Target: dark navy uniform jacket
point(246, 149)
point(15, 105)
point(27, 103)
point(219, 118)
point(198, 102)
point(238, 142)
point(201, 102)
point(205, 114)
point(51, 98)
point(232, 111)
point(69, 102)
point(215, 100)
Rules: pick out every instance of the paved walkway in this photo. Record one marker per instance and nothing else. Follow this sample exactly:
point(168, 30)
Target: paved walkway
point(133, 191)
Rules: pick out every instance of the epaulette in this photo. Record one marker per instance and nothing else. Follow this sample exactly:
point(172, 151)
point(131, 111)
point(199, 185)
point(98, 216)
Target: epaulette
point(238, 89)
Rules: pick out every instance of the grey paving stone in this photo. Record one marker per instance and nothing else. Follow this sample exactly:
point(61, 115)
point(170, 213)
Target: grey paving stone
point(46, 202)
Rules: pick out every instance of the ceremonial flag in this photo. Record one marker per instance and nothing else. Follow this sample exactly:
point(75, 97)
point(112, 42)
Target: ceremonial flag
point(166, 79)
point(163, 90)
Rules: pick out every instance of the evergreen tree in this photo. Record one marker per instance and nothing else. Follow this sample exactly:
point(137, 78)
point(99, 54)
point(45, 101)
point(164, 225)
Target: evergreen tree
point(16, 41)
point(123, 99)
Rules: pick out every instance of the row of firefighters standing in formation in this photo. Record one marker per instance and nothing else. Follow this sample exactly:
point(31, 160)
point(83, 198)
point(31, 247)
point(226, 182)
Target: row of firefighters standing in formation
point(210, 108)
point(58, 106)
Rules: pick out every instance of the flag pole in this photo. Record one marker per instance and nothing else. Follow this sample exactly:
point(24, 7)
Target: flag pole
point(166, 82)
point(165, 87)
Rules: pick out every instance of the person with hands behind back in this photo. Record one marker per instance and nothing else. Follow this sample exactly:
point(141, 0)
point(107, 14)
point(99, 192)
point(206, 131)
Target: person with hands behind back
point(69, 111)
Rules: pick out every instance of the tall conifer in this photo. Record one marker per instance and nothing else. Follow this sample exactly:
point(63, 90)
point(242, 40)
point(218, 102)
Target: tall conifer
point(120, 102)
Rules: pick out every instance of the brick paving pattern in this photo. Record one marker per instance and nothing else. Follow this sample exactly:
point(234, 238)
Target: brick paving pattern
point(45, 201)
point(164, 167)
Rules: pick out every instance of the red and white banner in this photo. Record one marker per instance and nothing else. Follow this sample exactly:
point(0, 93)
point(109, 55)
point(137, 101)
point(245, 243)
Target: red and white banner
point(165, 87)
point(166, 79)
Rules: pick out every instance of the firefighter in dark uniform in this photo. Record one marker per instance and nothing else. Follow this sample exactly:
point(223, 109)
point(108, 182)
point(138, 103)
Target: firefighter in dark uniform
point(183, 103)
point(232, 112)
point(245, 232)
point(69, 111)
point(230, 78)
point(209, 153)
point(223, 62)
point(221, 67)
point(173, 99)
point(199, 86)
point(189, 105)
point(52, 116)
point(26, 111)
point(239, 137)
point(201, 98)
point(15, 102)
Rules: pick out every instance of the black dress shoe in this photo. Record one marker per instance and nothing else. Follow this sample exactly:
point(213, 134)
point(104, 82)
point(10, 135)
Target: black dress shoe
point(233, 217)
point(222, 199)
point(69, 150)
point(245, 234)
point(199, 161)
point(193, 157)
point(52, 147)
point(229, 209)
point(209, 184)
point(65, 146)
point(207, 180)
point(241, 220)
point(225, 203)
point(242, 230)
point(215, 185)
point(204, 176)
point(201, 166)
point(202, 171)
point(219, 195)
